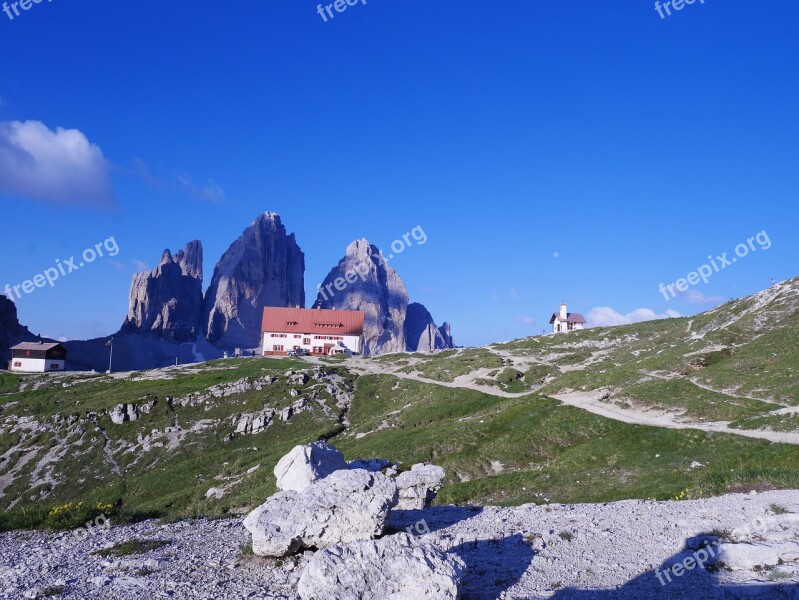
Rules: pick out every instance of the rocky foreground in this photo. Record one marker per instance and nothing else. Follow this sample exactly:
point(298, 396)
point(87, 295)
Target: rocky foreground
point(616, 550)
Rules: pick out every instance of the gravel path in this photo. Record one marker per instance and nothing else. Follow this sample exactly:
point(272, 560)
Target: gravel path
point(600, 551)
point(590, 401)
point(584, 400)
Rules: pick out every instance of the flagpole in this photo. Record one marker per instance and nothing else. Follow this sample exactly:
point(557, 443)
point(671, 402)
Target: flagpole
point(111, 356)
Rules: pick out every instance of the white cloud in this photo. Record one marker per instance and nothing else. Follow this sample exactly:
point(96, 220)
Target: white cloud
point(527, 320)
point(60, 167)
point(697, 297)
point(605, 316)
point(209, 191)
point(140, 265)
point(514, 294)
point(555, 254)
point(494, 296)
point(117, 264)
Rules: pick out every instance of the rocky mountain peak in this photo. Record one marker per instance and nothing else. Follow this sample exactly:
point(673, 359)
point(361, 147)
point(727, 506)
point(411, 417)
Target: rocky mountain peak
point(168, 300)
point(191, 260)
point(11, 332)
point(376, 289)
point(263, 267)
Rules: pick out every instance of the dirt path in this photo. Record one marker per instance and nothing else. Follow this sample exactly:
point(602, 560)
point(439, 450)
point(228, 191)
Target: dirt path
point(724, 393)
point(368, 367)
point(588, 401)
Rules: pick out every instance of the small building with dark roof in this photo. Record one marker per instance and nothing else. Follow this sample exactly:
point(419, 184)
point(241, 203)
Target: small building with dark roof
point(564, 321)
point(38, 357)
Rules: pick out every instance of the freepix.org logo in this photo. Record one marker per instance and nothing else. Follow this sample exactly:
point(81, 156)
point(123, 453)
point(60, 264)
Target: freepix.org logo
point(15, 6)
point(62, 269)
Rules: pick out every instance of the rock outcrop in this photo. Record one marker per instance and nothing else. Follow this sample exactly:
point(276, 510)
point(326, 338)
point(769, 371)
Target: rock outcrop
point(419, 486)
point(168, 301)
point(11, 332)
point(254, 423)
point(123, 413)
point(364, 281)
point(399, 567)
point(421, 332)
point(307, 464)
point(264, 267)
point(346, 506)
point(446, 332)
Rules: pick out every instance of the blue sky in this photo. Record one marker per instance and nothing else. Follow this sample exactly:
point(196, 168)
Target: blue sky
point(577, 151)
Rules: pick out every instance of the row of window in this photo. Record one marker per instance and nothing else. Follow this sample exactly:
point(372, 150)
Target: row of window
point(53, 367)
point(307, 341)
point(314, 350)
point(298, 336)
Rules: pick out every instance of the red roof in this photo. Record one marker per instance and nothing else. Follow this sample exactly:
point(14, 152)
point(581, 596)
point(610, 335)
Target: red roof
point(312, 320)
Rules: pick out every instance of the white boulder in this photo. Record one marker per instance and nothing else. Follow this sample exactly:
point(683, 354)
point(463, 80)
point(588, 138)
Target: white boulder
point(346, 506)
point(307, 464)
point(397, 567)
point(215, 492)
point(419, 486)
point(745, 557)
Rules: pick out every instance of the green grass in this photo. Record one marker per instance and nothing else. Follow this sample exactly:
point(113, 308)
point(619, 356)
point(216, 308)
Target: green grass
point(698, 403)
point(131, 547)
point(50, 591)
point(8, 382)
point(753, 358)
point(536, 374)
point(549, 450)
point(772, 422)
point(509, 380)
point(448, 365)
point(162, 481)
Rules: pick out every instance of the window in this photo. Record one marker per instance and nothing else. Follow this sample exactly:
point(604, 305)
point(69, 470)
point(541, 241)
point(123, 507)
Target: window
point(17, 364)
point(277, 348)
point(54, 367)
point(297, 336)
point(306, 341)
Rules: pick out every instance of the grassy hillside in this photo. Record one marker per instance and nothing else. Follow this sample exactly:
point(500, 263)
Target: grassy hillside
point(483, 414)
point(528, 449)
point(738, 362)
point(58, 443)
